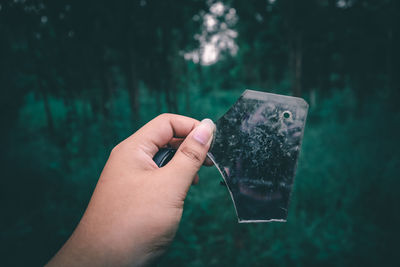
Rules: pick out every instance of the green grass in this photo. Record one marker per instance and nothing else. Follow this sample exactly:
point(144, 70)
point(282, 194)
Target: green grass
point(344, 208)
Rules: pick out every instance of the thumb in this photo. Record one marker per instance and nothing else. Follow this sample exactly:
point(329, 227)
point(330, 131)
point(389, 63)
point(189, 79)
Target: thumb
point(191, 154)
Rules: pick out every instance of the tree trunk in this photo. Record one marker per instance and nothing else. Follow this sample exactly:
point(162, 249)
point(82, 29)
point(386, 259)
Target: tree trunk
point(187, 99)
point(131, 74)
point(298, 64)
point(106, 92)
point(49, 115)
point(158, 102)
point(390, 60)
point(296, 61)
point(171, 92)
point(295, 40)
point(186, 87)
point(170, 98)
point(133, 88)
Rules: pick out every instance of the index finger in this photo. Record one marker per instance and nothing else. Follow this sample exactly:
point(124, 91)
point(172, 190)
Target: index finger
point(160, 130)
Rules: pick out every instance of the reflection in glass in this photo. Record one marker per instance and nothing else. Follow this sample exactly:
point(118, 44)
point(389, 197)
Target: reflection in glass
point(256, 148)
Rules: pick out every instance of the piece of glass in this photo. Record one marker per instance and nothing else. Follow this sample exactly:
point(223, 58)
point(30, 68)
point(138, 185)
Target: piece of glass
point(255, 148)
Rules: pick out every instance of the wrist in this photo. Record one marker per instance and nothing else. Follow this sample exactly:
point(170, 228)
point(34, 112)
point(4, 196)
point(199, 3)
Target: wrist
point(91, 246)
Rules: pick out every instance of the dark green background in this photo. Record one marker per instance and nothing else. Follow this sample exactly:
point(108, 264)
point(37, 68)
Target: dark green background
point(77, 77)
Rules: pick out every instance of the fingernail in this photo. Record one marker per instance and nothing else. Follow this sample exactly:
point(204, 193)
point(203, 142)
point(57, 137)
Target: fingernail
point(204, 131)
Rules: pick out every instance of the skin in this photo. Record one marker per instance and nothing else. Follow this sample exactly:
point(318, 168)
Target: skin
point(136, 207)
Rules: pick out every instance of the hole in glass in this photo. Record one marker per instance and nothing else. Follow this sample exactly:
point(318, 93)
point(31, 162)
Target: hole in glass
point(286, 114)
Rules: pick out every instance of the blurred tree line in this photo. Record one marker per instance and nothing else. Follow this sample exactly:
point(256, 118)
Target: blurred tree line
point(78, 76)
point(74, 50)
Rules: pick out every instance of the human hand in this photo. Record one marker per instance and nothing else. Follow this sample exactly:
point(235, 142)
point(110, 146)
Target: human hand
point(136, 207)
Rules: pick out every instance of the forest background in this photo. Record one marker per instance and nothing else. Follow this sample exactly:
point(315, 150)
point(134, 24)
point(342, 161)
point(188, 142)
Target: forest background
point(77, 77)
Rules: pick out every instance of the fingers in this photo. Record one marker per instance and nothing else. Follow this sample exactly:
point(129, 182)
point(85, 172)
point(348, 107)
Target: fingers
point(176, 142)
point(208, 162)
point(190, 155)
point(195, 180)
point(159, 131)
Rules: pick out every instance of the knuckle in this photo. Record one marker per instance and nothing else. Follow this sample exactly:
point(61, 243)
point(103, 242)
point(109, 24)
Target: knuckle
point(115, 149)
point(163, 116)
point(119, 148)
point(192, 154)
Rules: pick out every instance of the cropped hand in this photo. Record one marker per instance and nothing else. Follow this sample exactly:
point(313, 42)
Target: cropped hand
point(136, 207)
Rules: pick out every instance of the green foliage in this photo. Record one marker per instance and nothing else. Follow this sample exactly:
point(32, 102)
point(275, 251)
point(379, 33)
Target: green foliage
point(77, 77)
point(344, 205)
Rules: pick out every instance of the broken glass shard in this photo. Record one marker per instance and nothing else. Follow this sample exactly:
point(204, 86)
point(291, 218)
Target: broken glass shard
point(256, 147)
